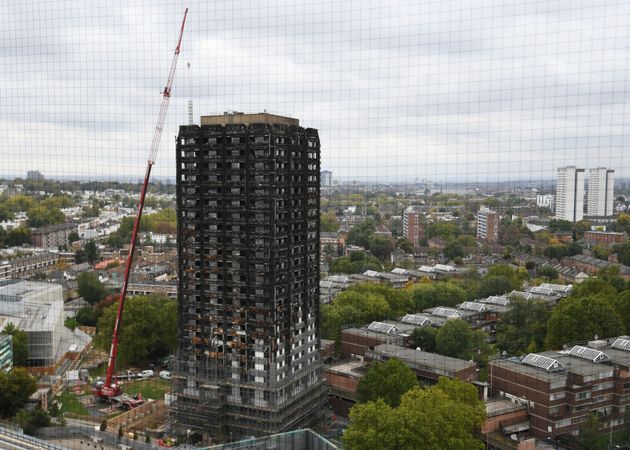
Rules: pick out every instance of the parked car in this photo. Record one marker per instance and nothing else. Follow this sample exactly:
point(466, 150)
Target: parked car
point(165, 375)
point(147, 373)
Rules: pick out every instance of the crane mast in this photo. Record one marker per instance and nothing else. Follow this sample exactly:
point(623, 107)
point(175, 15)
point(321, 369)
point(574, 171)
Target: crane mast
point(111, 389)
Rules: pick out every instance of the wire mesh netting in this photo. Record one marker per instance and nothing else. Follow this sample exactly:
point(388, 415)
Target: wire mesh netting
point(399, 152)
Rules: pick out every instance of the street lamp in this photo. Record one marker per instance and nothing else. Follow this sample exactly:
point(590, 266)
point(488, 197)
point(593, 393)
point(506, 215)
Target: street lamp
point(187, 435)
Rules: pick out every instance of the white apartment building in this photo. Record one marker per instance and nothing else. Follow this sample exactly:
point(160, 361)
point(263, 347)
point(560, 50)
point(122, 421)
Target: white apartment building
point(570, 194)
point(545, 200)
point(601, 195)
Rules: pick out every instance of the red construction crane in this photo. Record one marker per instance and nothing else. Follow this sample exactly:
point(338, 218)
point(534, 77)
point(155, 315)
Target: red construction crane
point(111, 388)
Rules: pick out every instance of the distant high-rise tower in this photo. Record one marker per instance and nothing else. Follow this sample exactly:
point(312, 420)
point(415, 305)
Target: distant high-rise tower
point(326, 177)
point(413, 228)
point(34, 175)
point(570, 194)
point(248, 359)
point(601, 192)
point(487, 225)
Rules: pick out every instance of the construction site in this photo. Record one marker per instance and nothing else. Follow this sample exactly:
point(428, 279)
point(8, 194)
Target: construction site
point(248, 358)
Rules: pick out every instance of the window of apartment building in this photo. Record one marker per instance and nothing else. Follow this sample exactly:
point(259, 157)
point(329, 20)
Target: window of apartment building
point(607, 374)
point(563, 423)
point(583, 395)
point(558, 384)
point(603, 386)
point(602, 398)
point(556, 396)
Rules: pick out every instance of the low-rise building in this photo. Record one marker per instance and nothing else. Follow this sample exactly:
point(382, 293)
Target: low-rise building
point(25, 266)
point(604, 237)
point(36, 308)
point(428, 367)
point(562, 388)
point(356, 341)
point(343, 379)
point(52, 236)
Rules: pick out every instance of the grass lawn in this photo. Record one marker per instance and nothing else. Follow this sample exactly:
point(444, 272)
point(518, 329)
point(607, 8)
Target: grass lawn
point(151, 387)
point(70, 403)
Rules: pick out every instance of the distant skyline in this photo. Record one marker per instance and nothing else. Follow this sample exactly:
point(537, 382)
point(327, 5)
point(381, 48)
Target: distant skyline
point(445, 90)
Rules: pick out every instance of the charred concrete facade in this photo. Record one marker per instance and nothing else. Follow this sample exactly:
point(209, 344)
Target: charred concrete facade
point(248, 360)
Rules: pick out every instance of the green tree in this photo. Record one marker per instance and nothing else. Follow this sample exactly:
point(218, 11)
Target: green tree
point(441, 293)
point(621, 303)
point(405, 245)
point(594, 286)
point(424, 338)
point(380, 246)
point(580, 318)
point(453, 250)
point(71, 323)
point(148, 332)
point(548, 272)
point(456, 339)
point(495, 285)
point(31, 421)
point(18, 236)
point(20, 344)
point(556, 225)
point(328, 222)
point(442, 230)
point(86, 316)
point(73, 237)
point(360, 234)
point(623, 253)
point(90, 288)
point(387, 381)
point(590, 436)
point(523, 325)
point(39, 216)
point(91, 251)
point(15, 389)
point(443, 416)
point(362, 304)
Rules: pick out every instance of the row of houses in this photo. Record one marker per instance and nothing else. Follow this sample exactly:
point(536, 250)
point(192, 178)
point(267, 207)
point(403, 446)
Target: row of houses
point(331, 285)
point(28, 265)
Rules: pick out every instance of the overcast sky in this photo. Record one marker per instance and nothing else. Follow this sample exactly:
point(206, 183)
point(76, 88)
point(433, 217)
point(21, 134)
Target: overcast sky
point(399, 90)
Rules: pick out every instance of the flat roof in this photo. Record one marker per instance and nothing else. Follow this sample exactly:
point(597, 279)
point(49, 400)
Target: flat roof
point(247, 119)
point(352, 368)
point(40, 314)
point(417, 358)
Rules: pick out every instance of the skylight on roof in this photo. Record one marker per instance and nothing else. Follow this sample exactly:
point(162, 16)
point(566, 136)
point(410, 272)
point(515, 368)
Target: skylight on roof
point(589, 354)
point(621, 344)
point(542, 362)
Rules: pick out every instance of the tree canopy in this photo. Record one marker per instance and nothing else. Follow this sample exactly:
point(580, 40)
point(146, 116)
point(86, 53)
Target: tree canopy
point(328, 222)
point(148, 330)
point(16, 387)
point(443, 416)
point(90, 288)
point(523, 328)
point(19, 342)
point(362, 304)
point(357, 262)
point(387, 381)
point(456, 339)
point(441, 293)
point(424, 338)
point(580, 318)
